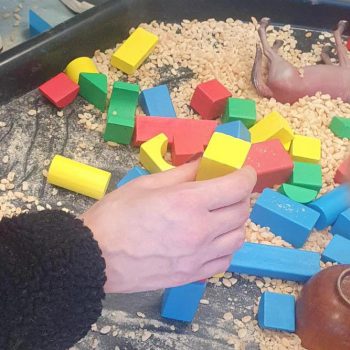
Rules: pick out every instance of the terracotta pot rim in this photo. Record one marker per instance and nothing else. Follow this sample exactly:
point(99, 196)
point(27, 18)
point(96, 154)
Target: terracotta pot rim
point(341, 277)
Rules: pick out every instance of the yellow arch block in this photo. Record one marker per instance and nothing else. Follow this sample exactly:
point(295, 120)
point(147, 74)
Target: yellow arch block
point(223, 155)
point(80, 65)
point(272, 126)
point(306, 149)
point(152, 154)
point(78, 177)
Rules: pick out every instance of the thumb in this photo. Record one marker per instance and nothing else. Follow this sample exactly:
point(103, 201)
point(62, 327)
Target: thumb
point(180, 174)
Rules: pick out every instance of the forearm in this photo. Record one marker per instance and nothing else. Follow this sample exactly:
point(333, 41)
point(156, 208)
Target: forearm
point(51, 281)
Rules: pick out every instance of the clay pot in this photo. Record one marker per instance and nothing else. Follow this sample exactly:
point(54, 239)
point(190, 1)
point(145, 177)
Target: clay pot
point(323, 310)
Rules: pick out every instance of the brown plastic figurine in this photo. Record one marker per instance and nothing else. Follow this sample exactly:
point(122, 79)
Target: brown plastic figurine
point(286, 84)
point(323, 310)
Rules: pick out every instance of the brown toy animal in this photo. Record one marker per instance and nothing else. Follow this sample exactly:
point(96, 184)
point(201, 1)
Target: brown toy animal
point(287, 85)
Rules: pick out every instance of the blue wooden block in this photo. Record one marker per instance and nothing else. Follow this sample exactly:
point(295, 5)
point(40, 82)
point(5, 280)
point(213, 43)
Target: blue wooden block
point(236, 129)
point(37, 25)
point(156, 102)
point(275, 262)
point(277, 312)
point(342, 225)
point(286, 218)
point(181, 303)
point(132, 174)
point(331, 205)
point(338, 250)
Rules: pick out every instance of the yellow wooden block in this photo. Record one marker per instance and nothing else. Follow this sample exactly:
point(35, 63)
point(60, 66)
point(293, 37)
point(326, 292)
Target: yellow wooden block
point(272, 126)
point(306, 149)
point(78, 177)
point(133, 52)
point(223, 155)
point(80, 65)
point(152, 153)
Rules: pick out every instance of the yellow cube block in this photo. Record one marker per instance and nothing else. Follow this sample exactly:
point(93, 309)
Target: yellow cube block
point(152, 153)
point(133, 52)
point(223, 155)
point(272, 126)
point(306, 149)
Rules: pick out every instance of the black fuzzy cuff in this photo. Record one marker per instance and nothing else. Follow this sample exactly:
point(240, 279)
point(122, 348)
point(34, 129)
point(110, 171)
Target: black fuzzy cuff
point(52, 275)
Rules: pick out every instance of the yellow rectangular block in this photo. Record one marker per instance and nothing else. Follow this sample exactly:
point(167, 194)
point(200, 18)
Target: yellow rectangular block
point(133, 52)
point(223, 155)
point(306, 149)
point(272, 126)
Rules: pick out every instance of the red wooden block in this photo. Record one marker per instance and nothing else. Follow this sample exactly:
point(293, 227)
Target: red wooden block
point(343, 172)
point(272, 163)
point(60, 90)
point(187, 137)
point(209, 99)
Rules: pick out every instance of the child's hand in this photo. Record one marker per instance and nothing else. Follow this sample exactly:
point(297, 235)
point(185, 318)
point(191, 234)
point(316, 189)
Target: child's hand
point(165, 229)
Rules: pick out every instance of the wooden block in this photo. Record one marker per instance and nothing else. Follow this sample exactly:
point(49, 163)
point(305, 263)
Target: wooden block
point(37, 24)
point(157, 102)
point(181, 303)
point(78, 66)
point(298, 194)
point(235, 129)
point(78, 177)
point(134, 51)
point(152, 153)
point(337, 251)
point(341, 226)
point(286, 218)
point(307, 175)
point(277, 312)
point(121, 113)
point(331, 205)
point(271, 162)
point(343, 172)
point(93, 87)
point(240, 109)
point(132, 174)
point(306, 149)
point(60, 90)
point(272, 126)
point(209, 99)
point(275, 262)
point(340, 127)
point(223, 155)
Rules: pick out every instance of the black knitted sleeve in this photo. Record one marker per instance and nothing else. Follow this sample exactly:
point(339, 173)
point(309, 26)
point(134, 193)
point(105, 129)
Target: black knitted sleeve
point(52, 275)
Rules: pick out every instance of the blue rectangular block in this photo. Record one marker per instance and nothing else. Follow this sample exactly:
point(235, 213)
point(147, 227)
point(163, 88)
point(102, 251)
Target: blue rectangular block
point(132, 174)
point(331, 205)
point(338, 250)
point(157, 102)
point(342, 225)
point(286, 218)
point(236, 129)
point(36, 24)
point(181, 303)
point(275, 262)
point(277, 312)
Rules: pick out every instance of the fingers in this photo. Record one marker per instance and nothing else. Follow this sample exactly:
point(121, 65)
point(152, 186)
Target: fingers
point(180, 174)
point(227, 190)
point(214, 267)
point(228, 218)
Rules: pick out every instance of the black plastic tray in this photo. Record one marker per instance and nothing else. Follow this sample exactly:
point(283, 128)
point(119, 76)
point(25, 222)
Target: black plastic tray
point(31, 63)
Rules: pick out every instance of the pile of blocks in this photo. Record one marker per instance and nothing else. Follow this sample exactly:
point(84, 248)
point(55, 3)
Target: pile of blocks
point(227, 137)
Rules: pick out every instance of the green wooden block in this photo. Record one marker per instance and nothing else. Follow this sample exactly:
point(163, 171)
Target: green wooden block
point(240, 109)
point(297, 193)
point(340, 127)
point(307, 175)
point(121, 113)
point(93, 87)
